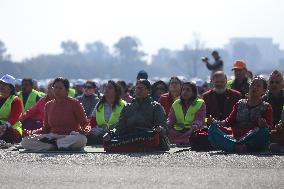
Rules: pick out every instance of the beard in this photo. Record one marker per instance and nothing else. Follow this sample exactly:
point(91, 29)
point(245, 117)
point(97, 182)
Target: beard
point(220, 90)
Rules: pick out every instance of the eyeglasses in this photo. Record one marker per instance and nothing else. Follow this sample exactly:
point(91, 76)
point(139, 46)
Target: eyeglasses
point(272, 82)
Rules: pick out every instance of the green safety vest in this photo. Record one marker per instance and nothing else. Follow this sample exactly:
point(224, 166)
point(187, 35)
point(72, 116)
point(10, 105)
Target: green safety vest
point(30, 101)
point(230, 83)
point(185, 122)
point(100, 115)
point(5, 112)
point(71, 92)
point(41, 94)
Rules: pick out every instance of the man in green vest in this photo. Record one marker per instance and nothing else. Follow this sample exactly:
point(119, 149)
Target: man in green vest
point(28, 95)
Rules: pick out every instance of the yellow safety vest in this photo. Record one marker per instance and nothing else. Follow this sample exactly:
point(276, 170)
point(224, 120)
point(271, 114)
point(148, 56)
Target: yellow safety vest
point(71, 92)
point(100, 115)
point(5, 111)
point(30, 101)
point(230, 83)
point(185, 122)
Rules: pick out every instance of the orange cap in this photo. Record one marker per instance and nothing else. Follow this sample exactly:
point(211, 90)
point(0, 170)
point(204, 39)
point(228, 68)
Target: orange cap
point(239, 64)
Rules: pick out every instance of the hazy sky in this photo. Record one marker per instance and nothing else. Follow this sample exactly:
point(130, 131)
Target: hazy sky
point(31, 27)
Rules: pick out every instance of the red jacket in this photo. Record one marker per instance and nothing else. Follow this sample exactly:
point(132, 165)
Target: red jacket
point(236, 127)
point(166, 101)
point(231, 97)
point(36, 112)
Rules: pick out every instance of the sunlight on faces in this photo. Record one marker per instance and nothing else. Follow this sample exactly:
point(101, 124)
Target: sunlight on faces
point(26, 86)
point(141, 90)
point(59, 89)
point(256, 89)
point(110, 91)
point(160, 89)
point(89, 90)
point(5, 89)
point(219, 83)
point(186, 92)
point(240, 74)
point(275, 84)
point(175, 85)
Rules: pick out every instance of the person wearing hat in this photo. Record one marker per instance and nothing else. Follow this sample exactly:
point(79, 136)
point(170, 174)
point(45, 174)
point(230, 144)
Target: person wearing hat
point(241, 81)
point(10, 111)
point(142, 124)
point(79, 87)
point(142, 75)
point(217, 65)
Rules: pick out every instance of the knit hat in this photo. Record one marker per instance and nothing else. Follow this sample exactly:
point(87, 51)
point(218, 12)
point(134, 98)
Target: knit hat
point(142, 75)
point(8, 79)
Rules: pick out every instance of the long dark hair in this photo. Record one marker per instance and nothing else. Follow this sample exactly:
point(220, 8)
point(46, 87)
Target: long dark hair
point(194, 91)
point(117, 91)
point(154, 87)
point(176, 78)
point(62, 80)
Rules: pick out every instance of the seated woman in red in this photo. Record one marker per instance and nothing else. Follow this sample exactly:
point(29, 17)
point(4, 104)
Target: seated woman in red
point(186, 115)
point(65, 123)
point(10, 111)
point(246, 129)
point(167, 99)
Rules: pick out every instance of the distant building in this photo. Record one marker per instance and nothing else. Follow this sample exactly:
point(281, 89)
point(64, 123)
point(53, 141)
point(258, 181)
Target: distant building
point(260, 53)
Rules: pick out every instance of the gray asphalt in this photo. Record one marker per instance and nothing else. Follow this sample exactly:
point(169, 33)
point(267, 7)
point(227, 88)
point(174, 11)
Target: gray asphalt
point(100, 170)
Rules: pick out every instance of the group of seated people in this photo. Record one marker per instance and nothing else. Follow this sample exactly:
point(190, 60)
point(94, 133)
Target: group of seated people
point(240, 115)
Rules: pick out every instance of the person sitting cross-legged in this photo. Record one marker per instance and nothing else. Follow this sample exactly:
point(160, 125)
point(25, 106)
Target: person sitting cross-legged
point(246, 129)
point(106, 113)
point(65, 123)
point(186, 115)
point(10, 111)
point(142, 124)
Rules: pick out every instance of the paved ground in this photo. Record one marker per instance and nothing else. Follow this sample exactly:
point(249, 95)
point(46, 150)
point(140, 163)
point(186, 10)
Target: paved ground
point(180, 170)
